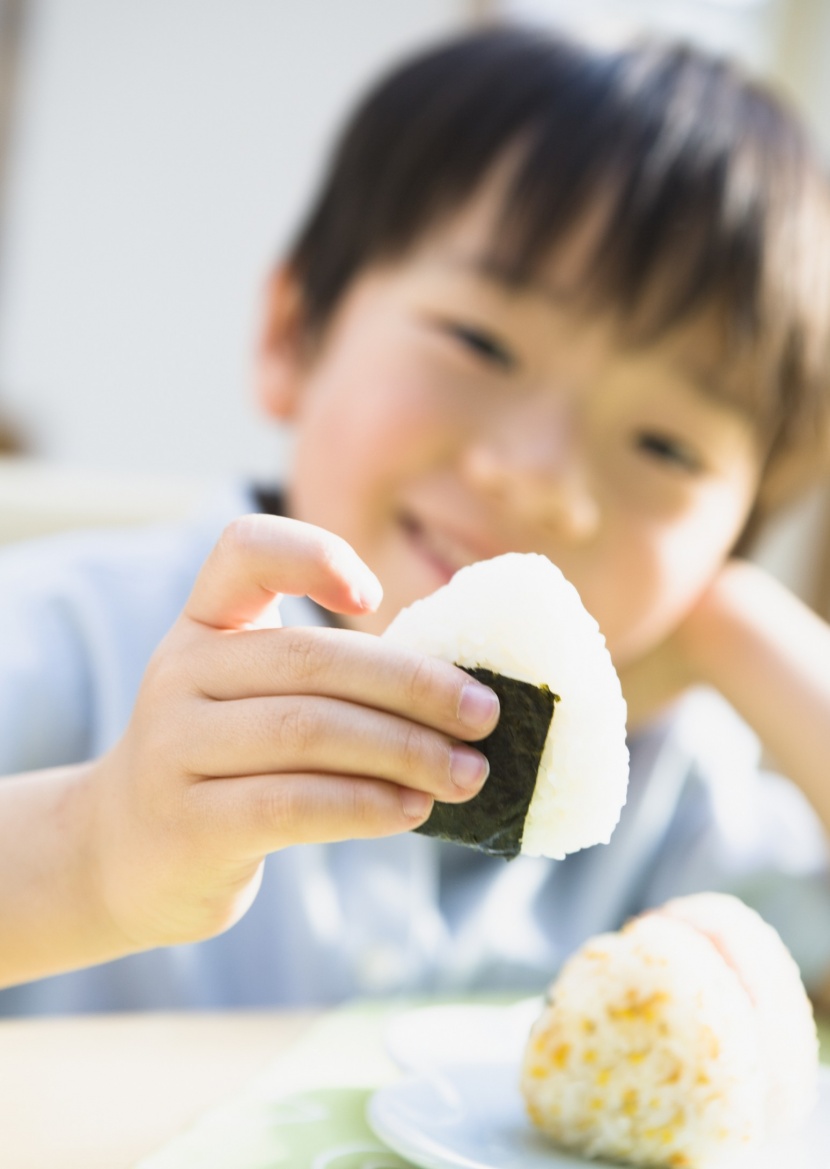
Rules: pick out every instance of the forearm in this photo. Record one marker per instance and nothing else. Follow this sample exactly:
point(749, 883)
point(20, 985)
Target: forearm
point(52, 913)
point(769, 655)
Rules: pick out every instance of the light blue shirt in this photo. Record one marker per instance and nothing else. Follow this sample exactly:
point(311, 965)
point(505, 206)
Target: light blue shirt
point(80, 615)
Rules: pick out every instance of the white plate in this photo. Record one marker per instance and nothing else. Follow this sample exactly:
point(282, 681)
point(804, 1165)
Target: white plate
point(425, 1038)
point(472, 1117)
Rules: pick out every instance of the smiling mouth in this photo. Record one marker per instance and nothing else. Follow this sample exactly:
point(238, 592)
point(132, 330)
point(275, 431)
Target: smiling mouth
point(444, 552)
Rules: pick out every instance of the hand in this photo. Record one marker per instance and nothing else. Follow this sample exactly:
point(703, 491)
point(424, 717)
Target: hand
point(244, 741)
point(690, 654)
point(766, 652)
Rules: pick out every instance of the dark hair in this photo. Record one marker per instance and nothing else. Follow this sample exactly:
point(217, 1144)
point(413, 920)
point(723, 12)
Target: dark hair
point(712, 202)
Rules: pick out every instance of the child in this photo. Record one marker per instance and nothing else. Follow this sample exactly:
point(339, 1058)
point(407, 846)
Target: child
point(548, 300)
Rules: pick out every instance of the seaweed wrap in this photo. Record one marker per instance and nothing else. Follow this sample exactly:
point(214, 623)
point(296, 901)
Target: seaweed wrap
point(558, 757)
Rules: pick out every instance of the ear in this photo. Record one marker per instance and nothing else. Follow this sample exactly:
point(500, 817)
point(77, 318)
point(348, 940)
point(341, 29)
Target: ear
point(281, 351)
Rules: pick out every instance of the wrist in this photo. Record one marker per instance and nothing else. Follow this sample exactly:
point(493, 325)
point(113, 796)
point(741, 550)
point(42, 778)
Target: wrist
point(102, 859)
point(52, 901)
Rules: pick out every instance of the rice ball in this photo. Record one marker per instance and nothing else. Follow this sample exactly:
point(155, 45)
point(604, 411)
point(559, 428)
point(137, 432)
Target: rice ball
point(517, 624)
point(783, 1012)
point(653, 1048)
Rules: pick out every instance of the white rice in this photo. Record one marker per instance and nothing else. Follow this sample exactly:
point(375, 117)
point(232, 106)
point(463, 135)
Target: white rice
point(518, 616)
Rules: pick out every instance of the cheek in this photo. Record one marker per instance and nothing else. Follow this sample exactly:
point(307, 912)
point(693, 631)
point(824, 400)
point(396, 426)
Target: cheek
point(365, 427)
point(662, 569)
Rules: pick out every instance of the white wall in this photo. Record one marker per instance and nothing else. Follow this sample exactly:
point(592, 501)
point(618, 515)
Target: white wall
point(786, 41)
point(743, 28)
point(163, 150)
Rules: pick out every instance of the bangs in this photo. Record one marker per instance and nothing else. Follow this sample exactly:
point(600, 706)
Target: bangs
point(701, 195)
point(701, 202)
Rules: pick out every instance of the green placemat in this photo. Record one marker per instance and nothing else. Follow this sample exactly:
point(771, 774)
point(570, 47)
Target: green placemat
point(824, 1039)
point(303, 1130)
point(308, 1108)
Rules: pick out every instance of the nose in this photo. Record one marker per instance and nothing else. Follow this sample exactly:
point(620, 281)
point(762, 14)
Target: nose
point(531, 460)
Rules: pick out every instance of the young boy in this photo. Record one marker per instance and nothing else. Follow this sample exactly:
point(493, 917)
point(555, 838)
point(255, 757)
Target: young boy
point(549, 300)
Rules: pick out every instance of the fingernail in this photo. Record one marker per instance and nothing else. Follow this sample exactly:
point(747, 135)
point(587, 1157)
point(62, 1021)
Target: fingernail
point(478, 707)
point(416, 805)
point(468, 768)
point(370, 592)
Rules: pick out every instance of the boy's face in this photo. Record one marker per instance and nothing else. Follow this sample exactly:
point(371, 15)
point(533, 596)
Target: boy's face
point(445, 418)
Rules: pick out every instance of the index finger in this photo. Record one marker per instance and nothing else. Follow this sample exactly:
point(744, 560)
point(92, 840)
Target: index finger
point(260, 556)
point(358, 668)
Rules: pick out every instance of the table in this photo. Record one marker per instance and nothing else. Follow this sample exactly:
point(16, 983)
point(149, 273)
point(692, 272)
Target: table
point(98, 1092)
point(103, 1091)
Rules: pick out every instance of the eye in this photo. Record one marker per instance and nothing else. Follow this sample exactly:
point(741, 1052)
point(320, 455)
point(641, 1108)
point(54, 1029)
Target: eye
point(483, 344)
point(667, 449)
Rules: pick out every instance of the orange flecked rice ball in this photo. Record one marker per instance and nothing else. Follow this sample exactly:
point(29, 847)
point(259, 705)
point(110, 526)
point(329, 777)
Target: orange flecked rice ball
point(654, 1048)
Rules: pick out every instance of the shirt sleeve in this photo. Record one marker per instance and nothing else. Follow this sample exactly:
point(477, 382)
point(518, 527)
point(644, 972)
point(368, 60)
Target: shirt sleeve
point(80, 616)
point(44, 685)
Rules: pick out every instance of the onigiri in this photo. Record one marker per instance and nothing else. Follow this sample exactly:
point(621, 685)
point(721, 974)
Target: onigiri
point(679, 1041)
point(558, 756)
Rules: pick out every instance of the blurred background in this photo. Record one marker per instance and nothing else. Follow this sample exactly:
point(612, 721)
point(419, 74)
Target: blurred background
point(155, 155)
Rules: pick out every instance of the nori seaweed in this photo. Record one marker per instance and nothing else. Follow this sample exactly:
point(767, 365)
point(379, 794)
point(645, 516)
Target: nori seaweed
point(493, 821)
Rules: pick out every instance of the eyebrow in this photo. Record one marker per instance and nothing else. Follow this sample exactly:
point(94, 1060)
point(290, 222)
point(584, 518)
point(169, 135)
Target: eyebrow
point(488, 268)
point(702, 380)
point(708, 382)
